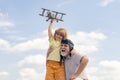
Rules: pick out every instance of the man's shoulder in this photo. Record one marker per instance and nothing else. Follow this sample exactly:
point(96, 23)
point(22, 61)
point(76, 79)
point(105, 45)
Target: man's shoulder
point(79, 54)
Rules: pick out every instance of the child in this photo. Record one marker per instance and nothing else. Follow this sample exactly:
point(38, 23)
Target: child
point(55, 71)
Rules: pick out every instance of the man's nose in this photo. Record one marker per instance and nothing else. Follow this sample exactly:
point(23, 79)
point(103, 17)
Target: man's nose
point(62, 46)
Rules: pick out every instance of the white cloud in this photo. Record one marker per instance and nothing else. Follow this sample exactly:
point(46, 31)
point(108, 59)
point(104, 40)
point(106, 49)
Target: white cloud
point(32, 73)
point(87, 42)
point(4, 22)
point(29, 74)
point(4, 74)
point(110, 69)
point(40, 43)
point(110, 64)
point(106, 70)
point(2, 15)
point(33, 60)
point(105, 3)
point(4, 44)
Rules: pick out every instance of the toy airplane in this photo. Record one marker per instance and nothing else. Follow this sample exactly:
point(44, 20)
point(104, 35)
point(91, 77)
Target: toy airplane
point(52, 14)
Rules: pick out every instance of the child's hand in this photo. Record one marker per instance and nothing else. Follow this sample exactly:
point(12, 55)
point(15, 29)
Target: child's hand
point(52, 20)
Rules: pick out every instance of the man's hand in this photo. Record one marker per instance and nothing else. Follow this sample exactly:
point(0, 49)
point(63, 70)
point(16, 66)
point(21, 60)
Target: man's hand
point(73, 76)
point(83, 64)
point(50, 49)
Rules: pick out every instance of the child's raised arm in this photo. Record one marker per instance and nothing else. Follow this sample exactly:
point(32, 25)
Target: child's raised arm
point(50, 28)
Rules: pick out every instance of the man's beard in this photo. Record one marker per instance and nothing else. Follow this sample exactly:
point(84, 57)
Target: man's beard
point(63, 53)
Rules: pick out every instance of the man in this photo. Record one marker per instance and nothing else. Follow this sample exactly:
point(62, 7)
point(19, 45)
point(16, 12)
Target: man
point(75, 63)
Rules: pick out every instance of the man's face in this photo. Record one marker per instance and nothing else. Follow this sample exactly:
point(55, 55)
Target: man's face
point(64, 49)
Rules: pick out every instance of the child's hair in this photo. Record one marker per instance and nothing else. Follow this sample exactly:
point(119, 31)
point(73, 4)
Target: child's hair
point(62, 32)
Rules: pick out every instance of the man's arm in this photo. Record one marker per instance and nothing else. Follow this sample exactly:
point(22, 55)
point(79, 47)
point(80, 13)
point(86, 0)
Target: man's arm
point(83, 64)
point(50, 49)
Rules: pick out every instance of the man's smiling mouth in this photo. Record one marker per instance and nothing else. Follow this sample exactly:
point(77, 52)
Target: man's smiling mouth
point(63, 50)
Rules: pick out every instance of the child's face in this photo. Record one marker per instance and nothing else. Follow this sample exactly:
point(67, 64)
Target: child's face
point(58, 36)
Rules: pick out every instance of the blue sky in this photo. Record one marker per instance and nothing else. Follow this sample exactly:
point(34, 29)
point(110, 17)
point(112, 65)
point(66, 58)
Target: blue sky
point(93, 26)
